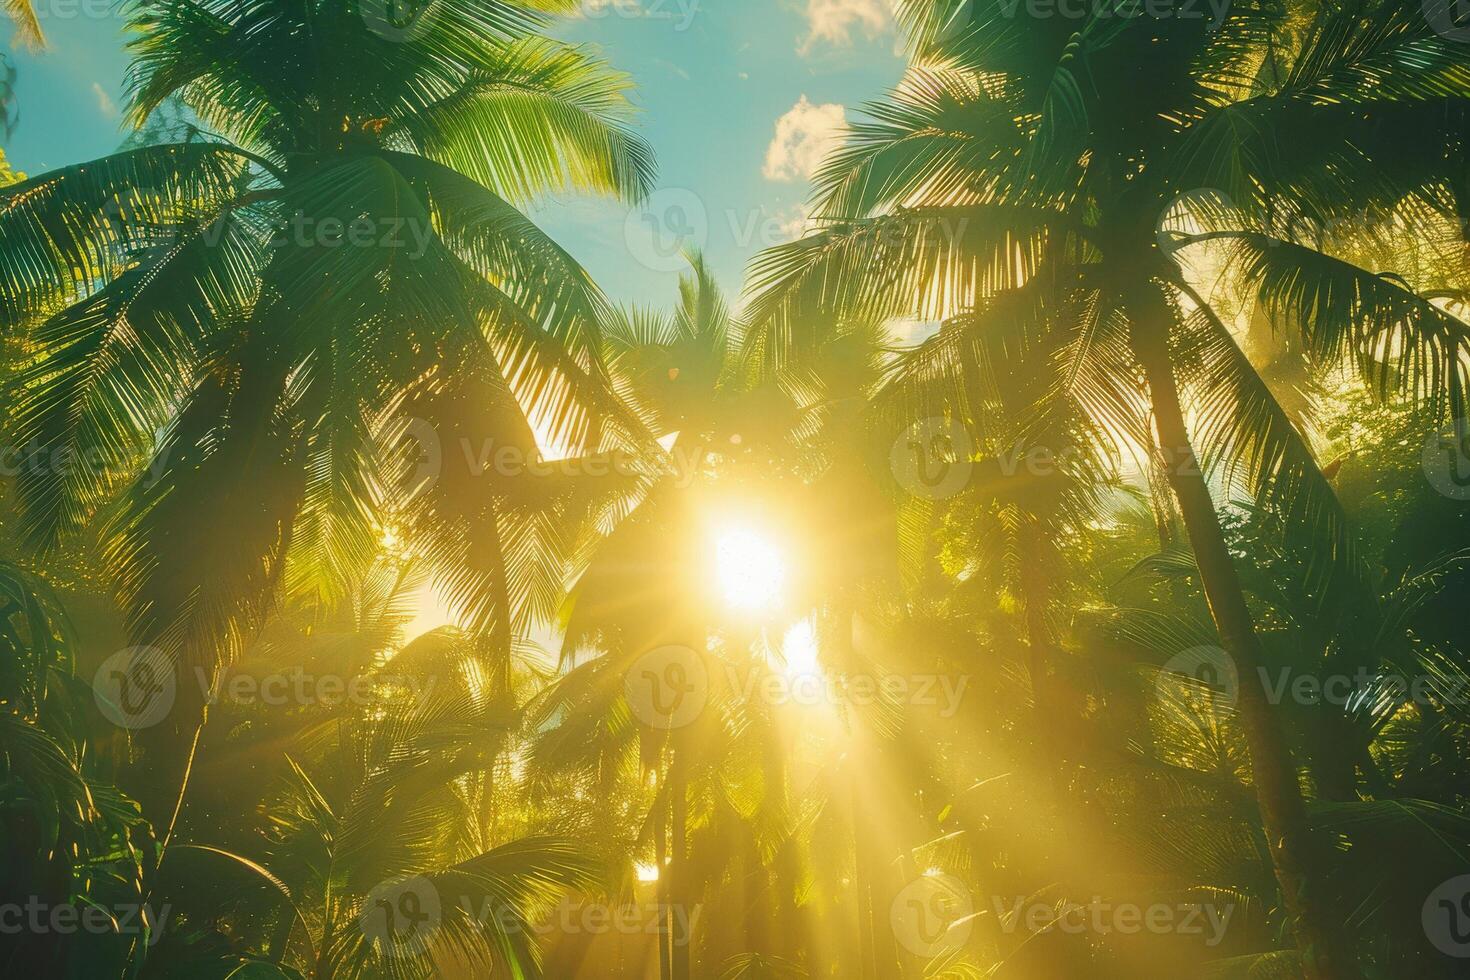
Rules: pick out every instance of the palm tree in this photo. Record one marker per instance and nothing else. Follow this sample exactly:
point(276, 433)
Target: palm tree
point(721, 819)
point(636, 592)
point(1037, 160)
point(22, 14)
point(72, 836)
point(1366, 748)
point(252, 334)
point(374, 863)
point(645, 585)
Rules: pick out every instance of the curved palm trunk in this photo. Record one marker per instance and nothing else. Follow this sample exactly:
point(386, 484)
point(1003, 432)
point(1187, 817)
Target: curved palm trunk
point(1294, 850)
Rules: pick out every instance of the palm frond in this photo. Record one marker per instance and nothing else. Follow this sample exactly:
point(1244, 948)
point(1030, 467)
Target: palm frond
point(1401, 343)
point(926, 262)
point(110, 368)
point(28, 31)
point(64, 231)
point(537, 117)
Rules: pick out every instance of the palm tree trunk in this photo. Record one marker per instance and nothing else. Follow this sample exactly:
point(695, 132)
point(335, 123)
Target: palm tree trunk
point(1034, 588)
point(1294, 850)
point(861, 883)
point(661, 857)
point(679, 863)
point(159, 782)
point(878, 948)
point(280, 940)
point(1041, 655)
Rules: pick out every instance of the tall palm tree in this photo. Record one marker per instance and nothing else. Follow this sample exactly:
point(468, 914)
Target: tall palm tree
point(641, 587)
point(721, 820)
point(1038, 158)
point(646, 585)
point(372, 859)
point(274, 337)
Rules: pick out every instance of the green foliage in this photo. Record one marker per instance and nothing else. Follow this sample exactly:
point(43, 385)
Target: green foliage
point(7, 174)
point(977, 706)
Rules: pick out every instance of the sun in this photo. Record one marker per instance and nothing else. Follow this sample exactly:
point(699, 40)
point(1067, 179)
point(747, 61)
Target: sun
point(749, 568)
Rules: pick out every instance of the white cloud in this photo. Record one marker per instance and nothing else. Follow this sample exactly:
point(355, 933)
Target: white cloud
point(834, 21)
point(803, 137)
point(105, 105)
point(794, 222)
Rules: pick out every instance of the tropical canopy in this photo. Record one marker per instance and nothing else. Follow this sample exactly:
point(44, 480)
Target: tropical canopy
point(1050, 562)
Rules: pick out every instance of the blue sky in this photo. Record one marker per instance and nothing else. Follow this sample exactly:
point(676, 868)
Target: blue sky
point(717, 81)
